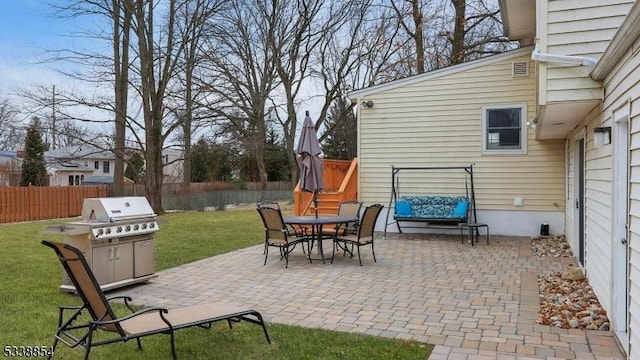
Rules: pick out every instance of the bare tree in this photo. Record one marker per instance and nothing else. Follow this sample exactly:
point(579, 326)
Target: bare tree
point(380, 49)
point(241, 75)
point(339, 57)
point(412, 9)
point(11, 133)
point(97, 68)
point(158, 56)
point(477, 31)
point(121, 43)
point(297, 30)
point(192, 29)
point(449, 32)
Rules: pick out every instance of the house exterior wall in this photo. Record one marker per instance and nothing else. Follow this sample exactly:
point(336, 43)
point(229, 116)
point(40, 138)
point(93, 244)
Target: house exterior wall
point(173, 165)
point(598, 209)
point(100, 170)
point(622, 89)
point(61, 177)
point(576, 28)
point(438, 122)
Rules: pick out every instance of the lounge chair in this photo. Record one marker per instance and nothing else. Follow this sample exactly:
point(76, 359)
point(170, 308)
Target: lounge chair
point(73, 331)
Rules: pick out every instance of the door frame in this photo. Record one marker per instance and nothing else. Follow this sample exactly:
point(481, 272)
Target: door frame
point(620, 222)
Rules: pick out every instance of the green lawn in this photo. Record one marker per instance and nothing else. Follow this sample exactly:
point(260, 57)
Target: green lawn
point(29, 299)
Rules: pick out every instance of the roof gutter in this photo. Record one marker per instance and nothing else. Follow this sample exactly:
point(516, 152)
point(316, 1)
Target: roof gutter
point(562, 59)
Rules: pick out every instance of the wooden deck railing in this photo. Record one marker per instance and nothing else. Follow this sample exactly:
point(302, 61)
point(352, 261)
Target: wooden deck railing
point(44, 202)
point(340, 184)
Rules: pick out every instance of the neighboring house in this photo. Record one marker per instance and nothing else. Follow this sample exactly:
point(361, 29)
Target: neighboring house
point(67, 173)
point(69, 166)
point(173, 166)
point(577, 165)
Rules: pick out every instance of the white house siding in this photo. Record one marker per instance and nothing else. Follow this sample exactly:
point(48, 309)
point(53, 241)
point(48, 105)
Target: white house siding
point(578, 28)
point(622, 87)
point(438, 122)
point(634, 225)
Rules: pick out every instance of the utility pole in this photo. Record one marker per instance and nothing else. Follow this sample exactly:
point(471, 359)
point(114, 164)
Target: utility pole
point(53, 120)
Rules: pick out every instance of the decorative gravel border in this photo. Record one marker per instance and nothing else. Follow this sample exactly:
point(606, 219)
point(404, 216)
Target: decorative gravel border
point(564, 303)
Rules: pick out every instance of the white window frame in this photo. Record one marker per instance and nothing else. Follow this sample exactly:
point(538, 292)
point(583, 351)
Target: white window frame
point(523, 129)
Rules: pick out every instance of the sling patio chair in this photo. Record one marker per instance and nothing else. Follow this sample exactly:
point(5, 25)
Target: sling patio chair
point(74, 331)
point(278, 235)
point(364, 235)
point(346, 208)
point(293, 230)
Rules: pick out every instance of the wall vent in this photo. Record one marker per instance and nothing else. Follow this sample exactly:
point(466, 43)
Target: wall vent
point(520, 69)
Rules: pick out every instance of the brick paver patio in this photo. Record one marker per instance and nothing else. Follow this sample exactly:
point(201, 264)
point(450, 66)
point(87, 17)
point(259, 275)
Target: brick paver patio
point(471, 302)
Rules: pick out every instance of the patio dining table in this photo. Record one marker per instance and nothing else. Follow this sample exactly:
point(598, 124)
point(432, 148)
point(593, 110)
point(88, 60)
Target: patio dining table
point(316, 223)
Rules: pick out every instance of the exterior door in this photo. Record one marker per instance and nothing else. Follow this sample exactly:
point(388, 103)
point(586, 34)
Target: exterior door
point(620, 245)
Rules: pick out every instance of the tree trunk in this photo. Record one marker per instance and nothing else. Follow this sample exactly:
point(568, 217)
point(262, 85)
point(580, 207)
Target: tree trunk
point(153, 179)
point(186, 127)
point(457, 42)
point(418, 37)
point(121, 87)
point(152, 98)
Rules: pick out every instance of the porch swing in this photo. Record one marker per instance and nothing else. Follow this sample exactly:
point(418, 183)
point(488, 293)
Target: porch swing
point(439, 210)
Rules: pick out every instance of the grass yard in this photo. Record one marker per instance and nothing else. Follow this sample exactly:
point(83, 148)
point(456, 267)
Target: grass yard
point(29, 299)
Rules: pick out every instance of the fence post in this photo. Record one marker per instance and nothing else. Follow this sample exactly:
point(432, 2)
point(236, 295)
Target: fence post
point(30, 203)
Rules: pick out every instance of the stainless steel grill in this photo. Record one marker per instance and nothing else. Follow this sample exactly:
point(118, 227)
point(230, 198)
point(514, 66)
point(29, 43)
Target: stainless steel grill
point(116, 236)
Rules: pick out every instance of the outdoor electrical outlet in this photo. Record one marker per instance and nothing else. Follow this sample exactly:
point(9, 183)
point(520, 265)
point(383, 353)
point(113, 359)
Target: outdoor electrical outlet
point(518, 201)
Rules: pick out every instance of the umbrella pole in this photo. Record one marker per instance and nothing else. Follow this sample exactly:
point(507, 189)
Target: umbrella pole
point(315, 202)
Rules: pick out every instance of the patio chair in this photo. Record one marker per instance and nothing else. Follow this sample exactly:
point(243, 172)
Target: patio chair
point(293, 230)
point(346, 208)
point(75, 330)
point(364, 235)
point(278, 235)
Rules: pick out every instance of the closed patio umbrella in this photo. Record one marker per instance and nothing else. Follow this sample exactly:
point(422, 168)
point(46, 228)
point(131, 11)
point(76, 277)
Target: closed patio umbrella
point(309, 160)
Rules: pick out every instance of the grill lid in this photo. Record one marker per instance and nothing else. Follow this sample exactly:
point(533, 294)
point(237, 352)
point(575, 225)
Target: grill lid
point(116, 208)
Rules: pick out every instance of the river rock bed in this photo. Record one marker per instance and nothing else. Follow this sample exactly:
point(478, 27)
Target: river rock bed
point(553, 246)
point(565, 303)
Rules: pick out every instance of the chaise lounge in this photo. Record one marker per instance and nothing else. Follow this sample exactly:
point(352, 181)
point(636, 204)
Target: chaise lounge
point(72, 331)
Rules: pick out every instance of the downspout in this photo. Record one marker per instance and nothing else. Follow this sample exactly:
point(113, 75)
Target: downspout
point(563, 59)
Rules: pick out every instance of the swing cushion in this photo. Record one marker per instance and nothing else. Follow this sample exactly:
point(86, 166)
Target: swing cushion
point(434, 207)
point(403, 208)
point(461, 209)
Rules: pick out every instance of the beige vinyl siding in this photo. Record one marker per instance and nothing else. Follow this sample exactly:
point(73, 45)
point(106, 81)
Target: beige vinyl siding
point(570, 210)
point(623, 86)
point(438, 122)
point(577, 28)
point(598, 215)
point(592, 23)
point(634, 220)
point(634, 225)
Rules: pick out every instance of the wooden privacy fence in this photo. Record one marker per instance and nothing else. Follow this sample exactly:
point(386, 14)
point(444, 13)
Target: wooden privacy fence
point(44, 202)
